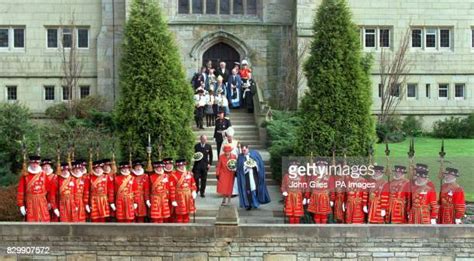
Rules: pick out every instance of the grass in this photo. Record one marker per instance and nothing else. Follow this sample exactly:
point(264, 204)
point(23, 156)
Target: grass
point(459, 154)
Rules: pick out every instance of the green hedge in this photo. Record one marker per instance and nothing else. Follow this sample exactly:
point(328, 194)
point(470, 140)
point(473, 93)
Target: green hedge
point(454, 127)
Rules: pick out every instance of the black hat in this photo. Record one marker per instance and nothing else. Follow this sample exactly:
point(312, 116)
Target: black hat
point(124, 164)
point(137, 162)
point(221, 111)
point(168, 161)
point(421, 173)
point(64, 166)
point(46, 161)
point(181, 162)
point(35, 159)
point(98, 163)
point(157, 164)
point(399, 168)
point(76, 164)
point(422, 166)
point(378, 168)
point(106, 161)
point(82, 162)
point(452, 171)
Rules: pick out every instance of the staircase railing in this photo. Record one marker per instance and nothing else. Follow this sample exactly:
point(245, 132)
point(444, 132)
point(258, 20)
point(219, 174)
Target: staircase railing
point(262, 110)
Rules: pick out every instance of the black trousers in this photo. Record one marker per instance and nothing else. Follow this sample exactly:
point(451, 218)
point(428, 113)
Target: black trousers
point(219, 145)
point(200, 176)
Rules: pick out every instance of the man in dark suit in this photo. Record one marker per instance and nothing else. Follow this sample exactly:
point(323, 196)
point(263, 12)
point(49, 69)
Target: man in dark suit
point(222, 71)
point(201, 166)
point(221, 126)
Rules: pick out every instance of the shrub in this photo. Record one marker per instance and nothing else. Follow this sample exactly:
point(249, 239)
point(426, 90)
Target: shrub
point(390, 131)
point(282, 138)
point(14, 125)
point(81, 109)
point(8, 209)
point(411, 126)
point(454, 127)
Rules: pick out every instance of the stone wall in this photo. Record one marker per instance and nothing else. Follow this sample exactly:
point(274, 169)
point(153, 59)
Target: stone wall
point(245, 242)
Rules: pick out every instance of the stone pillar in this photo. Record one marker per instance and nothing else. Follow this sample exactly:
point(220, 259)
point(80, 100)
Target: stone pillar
point(227, 222)
point(108, 46)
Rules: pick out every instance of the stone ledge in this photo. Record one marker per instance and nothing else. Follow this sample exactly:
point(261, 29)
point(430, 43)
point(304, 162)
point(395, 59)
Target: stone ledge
point(242, 231)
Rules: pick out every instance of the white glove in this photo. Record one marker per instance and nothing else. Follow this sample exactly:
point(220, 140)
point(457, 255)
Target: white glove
point(305, 201)
point(135, 205)
point(49, 206)
point(383, 213)
point(194, 194)
point(112, 206)
point(366, 210)
point(88, 209)
point(344, 207)
point(433, 221)
point(174, 204)
point(23, 210)
point(285, 194)
point(56, 212)
point(331, 203)
point(148, 203)
point(458, 221)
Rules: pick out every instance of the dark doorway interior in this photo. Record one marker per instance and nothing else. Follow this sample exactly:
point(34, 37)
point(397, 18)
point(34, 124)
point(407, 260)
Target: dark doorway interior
point(221, 52)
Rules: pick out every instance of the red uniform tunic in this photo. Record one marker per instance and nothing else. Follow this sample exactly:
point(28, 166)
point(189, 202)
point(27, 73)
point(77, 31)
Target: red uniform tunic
point(423, 204)
point(101, 194)
point(142, 194)
point(82, 197)
point(53, 198)
point(111, 191)
point(294, 201)
point(378, 201)
point(339, 198)
point(125, 187)
point(160, 187)
point(320, 198)
point(245, 73)
point(184, 185)
point(225, 182)
point(68, 209)
point(399, 201)
point(356, 197)
point(172, 217)
point(452, 203)
point(33, 195)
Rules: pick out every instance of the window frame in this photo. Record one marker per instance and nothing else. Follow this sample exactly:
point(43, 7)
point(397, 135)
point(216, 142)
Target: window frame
point(14, 38)
point(426, 34)
point(447, 91)
point(204, 4)
point(63, 88)
point(57, 37)
point(380, 38)
point(449, 40)
point(428, 91)
point(45, 96)
point(463, 85)
point(415, 85)
point(7, 92)
point(88, 37)
point(365, 37)
point(421, 38)
point(11, 39)
point(81, 87)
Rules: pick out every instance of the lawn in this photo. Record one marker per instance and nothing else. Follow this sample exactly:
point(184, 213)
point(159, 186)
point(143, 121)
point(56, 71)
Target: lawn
point(459, 154)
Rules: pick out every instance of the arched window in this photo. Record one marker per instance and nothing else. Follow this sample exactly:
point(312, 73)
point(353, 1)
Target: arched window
point(218, 7)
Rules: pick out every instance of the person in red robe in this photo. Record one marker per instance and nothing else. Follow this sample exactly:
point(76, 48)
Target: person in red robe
point(125, 201)
point(356, 197)
point(399, 197)
point(424, 207)
point(142, 194)
point(110, 173)
point(225, 176)
point(377, 204)
point(293, 194)
point(67, 189)
point(184, 191)
point(169, 171)
point(452, 201)
point(82, 191)
point(34, 193)
point(320, 198)
point(339, 192)
point(101, 193)
point(46, 165)
point(159, 194)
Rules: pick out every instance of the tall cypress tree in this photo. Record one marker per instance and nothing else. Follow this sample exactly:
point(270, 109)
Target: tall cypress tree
point(155, 97)
point(336, 109)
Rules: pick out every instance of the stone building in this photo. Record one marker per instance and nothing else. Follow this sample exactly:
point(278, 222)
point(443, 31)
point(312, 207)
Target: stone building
point(441, 45)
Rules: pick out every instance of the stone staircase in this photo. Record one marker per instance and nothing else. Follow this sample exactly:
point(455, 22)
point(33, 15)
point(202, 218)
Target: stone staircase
point(246, 131)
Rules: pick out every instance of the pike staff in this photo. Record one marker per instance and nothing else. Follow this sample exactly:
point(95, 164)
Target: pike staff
point(442, 154)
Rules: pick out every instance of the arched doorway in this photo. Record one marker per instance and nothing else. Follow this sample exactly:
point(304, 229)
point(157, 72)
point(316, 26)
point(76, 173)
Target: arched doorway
point(221, 52)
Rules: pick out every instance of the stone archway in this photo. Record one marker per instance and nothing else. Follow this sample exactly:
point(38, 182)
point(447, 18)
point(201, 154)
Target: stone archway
point(213, 39)
point(221, 52)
